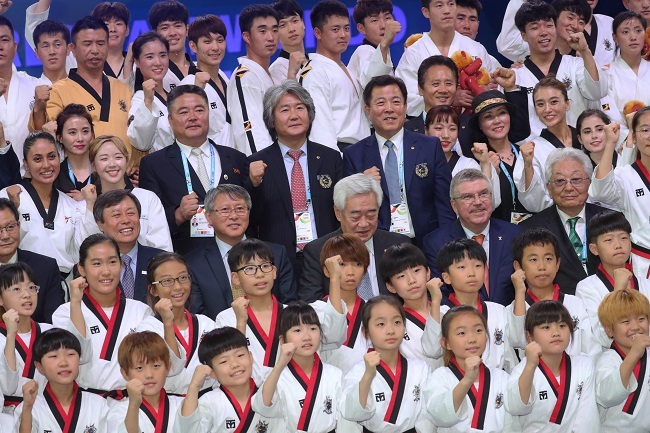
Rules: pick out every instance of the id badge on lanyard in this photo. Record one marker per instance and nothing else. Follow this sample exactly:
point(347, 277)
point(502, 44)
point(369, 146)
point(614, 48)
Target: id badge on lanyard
point(199, 225)
point(302, 220)
point(399, 212)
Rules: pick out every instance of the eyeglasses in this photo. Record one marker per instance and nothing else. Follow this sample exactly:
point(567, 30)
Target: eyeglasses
point(468, 198)
point(169, 282)
point(575, 182)
point(227, 211)
point(251, 270)
point(32, 289)
point(643, 132)
point(9, 228)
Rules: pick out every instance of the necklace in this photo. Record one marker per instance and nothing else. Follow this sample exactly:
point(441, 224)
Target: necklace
point(508, 157)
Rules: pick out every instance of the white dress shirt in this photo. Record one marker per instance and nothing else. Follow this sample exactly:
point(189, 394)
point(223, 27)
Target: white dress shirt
point(372, 270)
point(205, 153)
point(486, 241)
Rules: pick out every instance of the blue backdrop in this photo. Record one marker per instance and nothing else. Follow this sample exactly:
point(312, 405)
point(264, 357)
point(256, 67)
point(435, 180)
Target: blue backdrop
point(406, 11)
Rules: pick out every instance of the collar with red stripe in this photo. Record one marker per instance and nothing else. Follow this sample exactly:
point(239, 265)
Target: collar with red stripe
point(25, 350)
point(608, 280)
point(112, 324)
point(397, 383)
point(311, 386)
point(354, 322)
point(479, 397)
point(415, 317)
point(640, 370)
point(481, 306)
point(270, 342)
point(561, 389)
point(190, 345)
point(158, 417)
point(557, 296)
point(67, 421)
point(245, 415)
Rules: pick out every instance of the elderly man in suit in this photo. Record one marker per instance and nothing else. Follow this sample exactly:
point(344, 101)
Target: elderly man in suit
point(228, 210)
point(568, 177)
point(471, 199)
point(357, 199)
point(411, 167)
point(294, 204)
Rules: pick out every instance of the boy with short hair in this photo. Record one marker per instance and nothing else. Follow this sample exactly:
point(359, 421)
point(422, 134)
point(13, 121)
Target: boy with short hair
point(116, 16)
point(228, 407)
point(622, 370)
point(536, 260)
point(291, 30)
point(62, 406)
point(256, 314)
point(145, 363)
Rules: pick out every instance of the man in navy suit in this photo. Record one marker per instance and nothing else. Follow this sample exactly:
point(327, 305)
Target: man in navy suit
point(471, 198)
point(181, 174)
point(228, 210)
point(50, 296)
point(411, 167)
point(293, 188)
point(117, 214)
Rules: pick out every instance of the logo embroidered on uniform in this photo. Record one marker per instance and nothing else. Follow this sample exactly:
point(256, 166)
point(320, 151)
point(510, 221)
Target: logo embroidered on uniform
point(248, 342)
point(605, 107)
point(498, 337)
point(422, 170)
point(94, 329)
point(325, 181)
point(132, 330)
point(90, 107)
point(576, 322)
point(640, 192)
point(31, 104)
point(262, 427)
point(160, 114)
point(47, 431)
point(213, 105)
point(131, 119)
point(499, 401)
point(608, 45)
point(406, 337)
point(328, 405)
point(66, 219)
point(568, 83)
point(380, 397)
point(301, 402)
point(230, 423)
point(90, 429)
point(122, 105)
point(543, 395)
point(416, 393)
point(26, 217)
point(172, 86)
point(579, 390)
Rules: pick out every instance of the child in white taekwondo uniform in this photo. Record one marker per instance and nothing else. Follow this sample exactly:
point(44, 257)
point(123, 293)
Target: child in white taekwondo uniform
point(550, 390)
point(251, 79)
point(257, 313)
point(536, 261)
point(622, 372)
point(340, 120)
point(18, 296)
point(168, 293)
point(63, 406)
point(225, 357)
point(384, 392)
point(465, 395)
point(207, 35)
point(301, 389)
point(608, 235)
point(291, 32)
point(462, 263)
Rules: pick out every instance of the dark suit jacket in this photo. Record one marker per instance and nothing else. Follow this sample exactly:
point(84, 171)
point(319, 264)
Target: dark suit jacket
point(571, 270)
point(272, 213)
point(314, 285)
point(145, 254)
point(48, 277)
point(9, 169)
point(162, 172)
point(427, 192)
point(211, 292)
point(500, 263)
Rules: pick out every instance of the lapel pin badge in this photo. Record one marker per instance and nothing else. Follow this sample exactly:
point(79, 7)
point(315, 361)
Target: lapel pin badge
point(325, 181)
point(225, 176)
point(422, 170)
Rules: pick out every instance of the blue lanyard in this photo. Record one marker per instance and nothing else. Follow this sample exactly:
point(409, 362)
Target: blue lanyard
point(74, 180)
point(188, 178)
point(504, 170)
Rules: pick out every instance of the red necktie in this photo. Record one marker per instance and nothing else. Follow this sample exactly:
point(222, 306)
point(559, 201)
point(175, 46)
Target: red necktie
point(486, 277)
point(298, 190)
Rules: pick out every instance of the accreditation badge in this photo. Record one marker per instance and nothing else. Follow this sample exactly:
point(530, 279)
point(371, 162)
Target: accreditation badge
point(518, 217)
point(399, 218)
point(304, 233)
point(200, 226)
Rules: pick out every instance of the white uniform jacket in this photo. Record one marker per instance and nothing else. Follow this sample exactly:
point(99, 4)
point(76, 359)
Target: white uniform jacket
point(367, 62)
point(149, 130)
point(150, 419)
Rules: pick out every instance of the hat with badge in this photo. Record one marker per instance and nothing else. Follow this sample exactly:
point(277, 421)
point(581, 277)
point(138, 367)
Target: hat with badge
point(486, 101)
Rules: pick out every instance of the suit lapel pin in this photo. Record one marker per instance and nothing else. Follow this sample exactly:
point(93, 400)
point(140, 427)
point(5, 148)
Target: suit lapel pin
point(325, 181)
point(422, 170)
point(235, 170)
point(500, 238)
point(317, 156)
point(412, 147)
point(225, 177)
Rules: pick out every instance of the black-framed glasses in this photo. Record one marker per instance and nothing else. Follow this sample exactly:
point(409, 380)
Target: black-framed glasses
point(169, 282)
point(251, 270)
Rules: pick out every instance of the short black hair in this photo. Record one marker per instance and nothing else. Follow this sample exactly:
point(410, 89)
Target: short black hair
point(399, 258)
point(470, 4)
point(14, 273)
point(4, 21)
point(547, 311)
point(370, 8)
point(169, 10)
point(606, 222)
point(88, 23)
point(6, 204)
point(432, 61)
point(534, 10)
point(247, 250)
point(250, 13)
point(383, 81)
point(457, 250)
point(185, 89)
point(578, 7)
point(107, 11)
point(204, 25)
point(54, 339)
point(295, 314)
point(145, 38)
point(324, 9)
point(219, 341)
point(51, 28)
point(538, 236)
point(113, 198)
point(287, 8)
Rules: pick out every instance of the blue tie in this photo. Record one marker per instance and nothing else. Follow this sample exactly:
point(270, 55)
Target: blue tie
point(128, 279)
point(392, 175)
point(365, 288)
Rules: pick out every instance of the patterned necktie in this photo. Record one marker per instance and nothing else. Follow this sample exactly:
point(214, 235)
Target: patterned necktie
point(392, 174)
point(298, 189)
point(365, 288)
point(486, 276)
point(201, 171)
point(574, 238)
point(128, 279)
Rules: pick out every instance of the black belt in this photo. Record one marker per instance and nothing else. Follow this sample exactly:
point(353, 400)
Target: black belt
point(116, 394)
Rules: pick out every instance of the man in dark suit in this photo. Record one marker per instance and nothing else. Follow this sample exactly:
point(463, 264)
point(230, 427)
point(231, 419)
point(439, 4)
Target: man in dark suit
point(117, 214)
point(356, 203)
point(411, 167)
point(228, 210)
point(294, 187)
point(181, 174)
point(471, 198)
point(45, 268)
point(568, 174)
